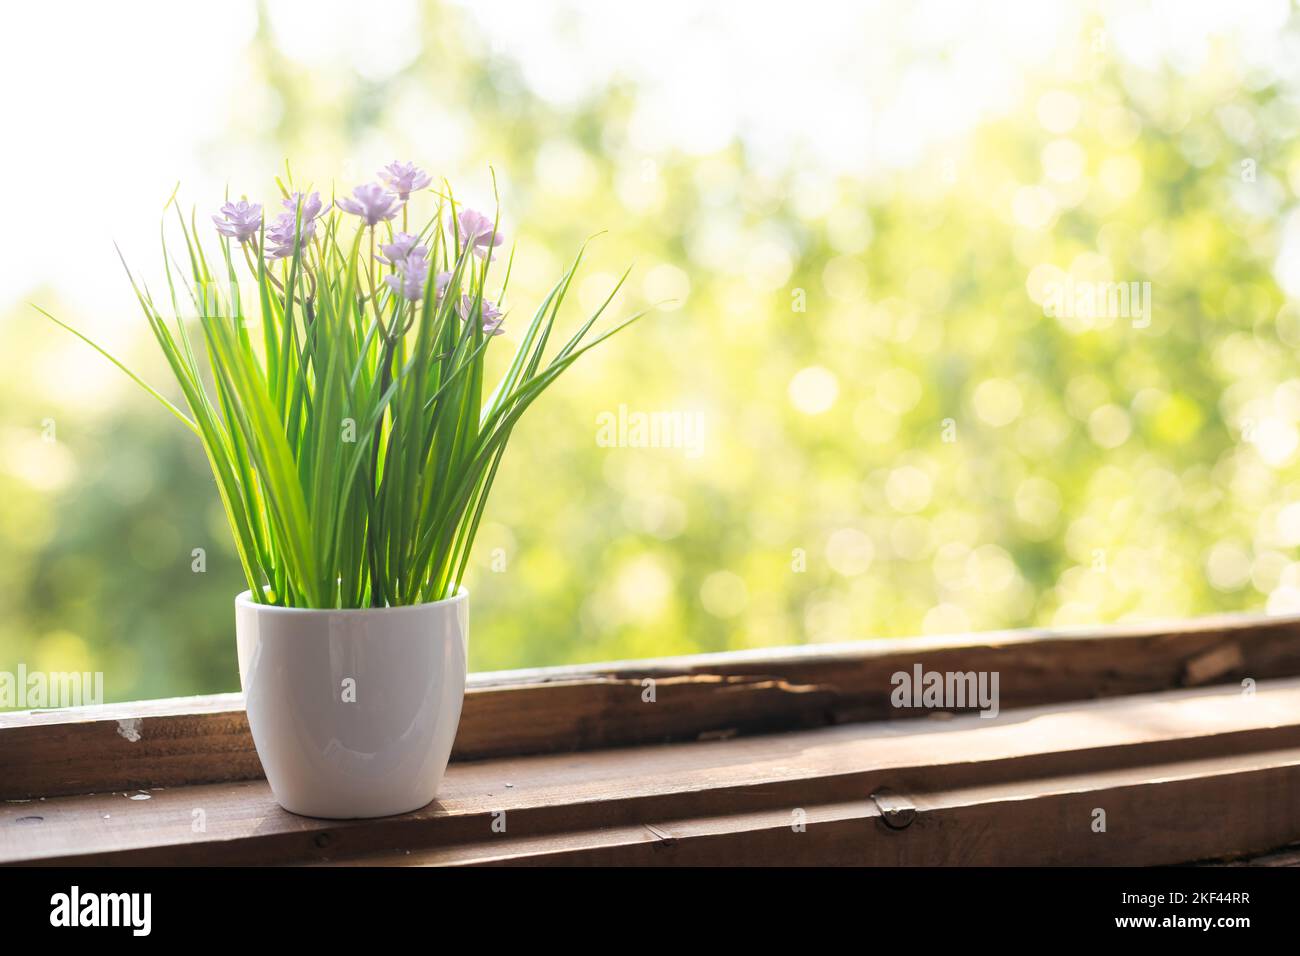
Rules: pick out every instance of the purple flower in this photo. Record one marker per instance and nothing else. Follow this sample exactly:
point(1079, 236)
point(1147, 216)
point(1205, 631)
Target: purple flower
point(241, 220)
point(490, 314)
point(476, 232)
point(372, 202)
point(412, 271)
point(280, 239)
point(440, 283)
point(397, 250)
point(311, 205)
point(404, 178)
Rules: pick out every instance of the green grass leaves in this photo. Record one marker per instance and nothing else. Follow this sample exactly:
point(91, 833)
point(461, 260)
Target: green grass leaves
point(351, 441)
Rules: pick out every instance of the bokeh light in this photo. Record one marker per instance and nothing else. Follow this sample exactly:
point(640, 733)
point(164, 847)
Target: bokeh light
point(860, 226)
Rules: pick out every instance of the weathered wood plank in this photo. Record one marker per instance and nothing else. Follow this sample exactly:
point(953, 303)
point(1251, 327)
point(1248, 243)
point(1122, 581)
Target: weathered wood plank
point(206, 739)
point(1021, 787)
point(1286, 856)
point(1040, 822)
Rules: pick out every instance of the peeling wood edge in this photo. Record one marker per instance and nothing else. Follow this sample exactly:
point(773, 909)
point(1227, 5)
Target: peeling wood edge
point(205, 739)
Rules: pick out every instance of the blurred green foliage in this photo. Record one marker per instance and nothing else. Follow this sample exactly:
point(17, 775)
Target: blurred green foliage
point(897, 439)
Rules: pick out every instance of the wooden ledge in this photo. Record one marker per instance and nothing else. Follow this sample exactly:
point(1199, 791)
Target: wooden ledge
point(1173, 777)
point(185, 741)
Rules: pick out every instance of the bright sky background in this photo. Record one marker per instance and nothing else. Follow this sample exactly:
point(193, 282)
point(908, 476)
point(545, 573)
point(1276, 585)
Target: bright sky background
point(101, 119)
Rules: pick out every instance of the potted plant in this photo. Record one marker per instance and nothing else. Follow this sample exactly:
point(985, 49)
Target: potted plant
point(345, 416)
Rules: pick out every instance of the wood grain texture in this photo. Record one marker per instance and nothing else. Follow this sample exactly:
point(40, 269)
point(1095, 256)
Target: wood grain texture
point(1181, 775)
point(1287, 856)
point(713, 696)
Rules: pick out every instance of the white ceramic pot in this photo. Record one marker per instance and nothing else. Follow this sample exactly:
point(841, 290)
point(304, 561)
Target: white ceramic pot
point(353, 712)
